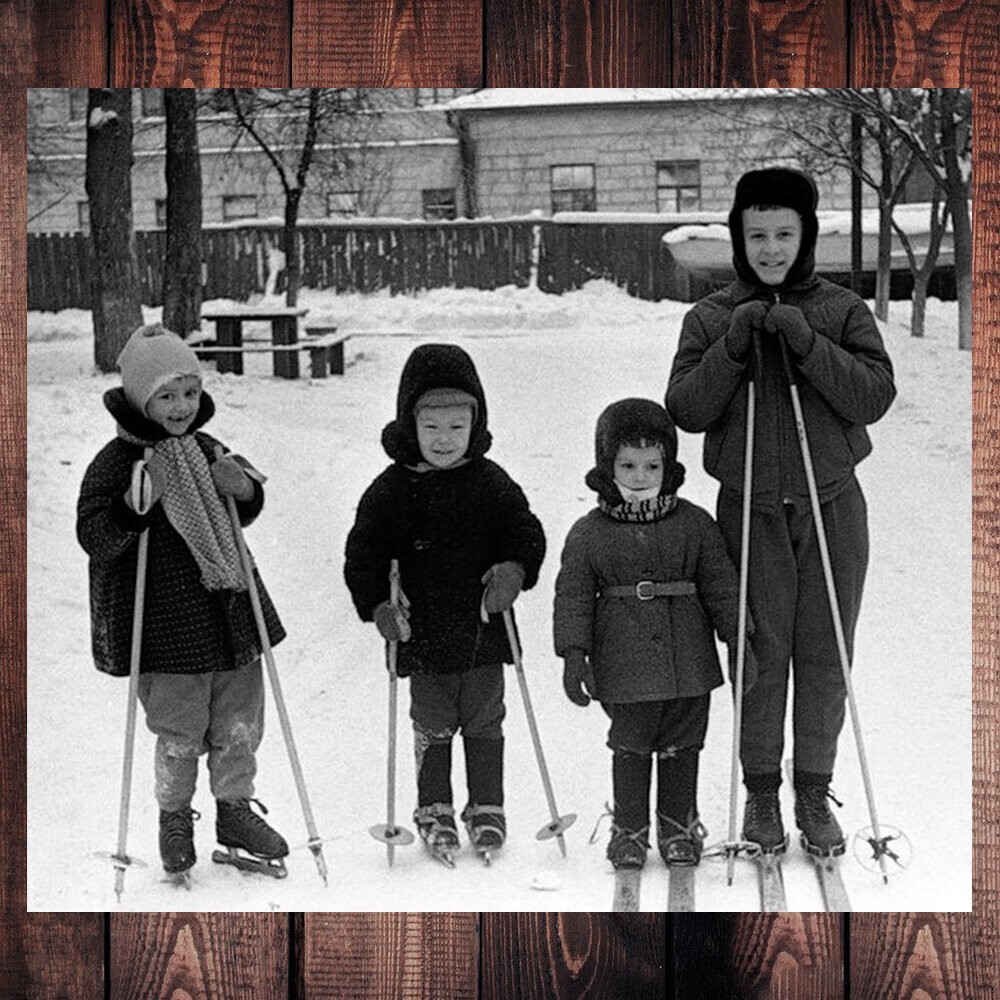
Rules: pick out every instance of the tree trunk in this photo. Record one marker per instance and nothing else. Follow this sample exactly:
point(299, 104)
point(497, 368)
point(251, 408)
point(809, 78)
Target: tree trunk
point(921, 279)
point(289, 233)
point(182, 269)
point(467, 161)
point(116, 300)
point(958, 203)
point(883, 267)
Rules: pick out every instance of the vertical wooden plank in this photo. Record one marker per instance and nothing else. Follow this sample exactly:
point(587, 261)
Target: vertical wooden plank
point(761, 43)
point(587, 43)
point(915, 956)
point(170, 956)
point(69, 43)
point(389, 956)
point(558, 956)
point(387, 43)
point(175, 43)
point(64, 956)
point(14, 75)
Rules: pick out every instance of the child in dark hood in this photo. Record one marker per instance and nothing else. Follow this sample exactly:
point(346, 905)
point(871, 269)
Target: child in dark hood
point(845, 382)
point(645, 583)
point(467, 544)
point(200, 673)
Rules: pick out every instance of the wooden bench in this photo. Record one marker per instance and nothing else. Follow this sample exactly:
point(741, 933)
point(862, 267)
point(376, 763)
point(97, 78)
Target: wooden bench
point(284, 323)
point(326, 354)
point(335, 341)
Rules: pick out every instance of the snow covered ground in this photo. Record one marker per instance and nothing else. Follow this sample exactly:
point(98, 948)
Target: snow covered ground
point(549, 365)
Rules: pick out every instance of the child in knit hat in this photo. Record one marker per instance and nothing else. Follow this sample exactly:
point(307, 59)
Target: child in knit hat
point(644, 585)
point(467, 544)
point(778, 306)
point(200, 677)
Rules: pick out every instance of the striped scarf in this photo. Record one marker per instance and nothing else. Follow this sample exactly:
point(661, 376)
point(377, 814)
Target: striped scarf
point(641, 512)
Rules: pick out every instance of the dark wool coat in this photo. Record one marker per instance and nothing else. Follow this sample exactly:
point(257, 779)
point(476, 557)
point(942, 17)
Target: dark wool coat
point(446, 528)
point(186, 628)
point(647, 650)
point(845, 381)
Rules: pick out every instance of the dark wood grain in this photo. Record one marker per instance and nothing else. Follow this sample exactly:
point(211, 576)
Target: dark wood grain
point(586, 43)
point(390, 956)
point(69, 43)
point(760, 43)
point(64, 956)
point(905, 43)
point(913, 956)
point(387, 43)
point(220, 956)
point(786, 956)
point(557, 956)
point(177, 43)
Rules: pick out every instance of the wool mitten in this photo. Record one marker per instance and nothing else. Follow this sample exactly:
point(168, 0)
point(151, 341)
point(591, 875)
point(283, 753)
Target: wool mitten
point(391, 620)
point(578, 678)
point(503, 582)
point(788, 322)
point(747, 317)
point(230, 479)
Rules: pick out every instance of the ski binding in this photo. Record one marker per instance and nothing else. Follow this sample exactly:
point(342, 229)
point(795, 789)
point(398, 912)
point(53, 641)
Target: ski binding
point(251, 864)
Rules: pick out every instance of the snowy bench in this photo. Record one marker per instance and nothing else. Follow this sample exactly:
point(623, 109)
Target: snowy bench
point(327, 332)
point(228, 348)
point(326, 354)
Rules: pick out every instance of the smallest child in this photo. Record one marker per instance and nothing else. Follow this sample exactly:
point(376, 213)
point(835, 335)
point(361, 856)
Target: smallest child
point(644, 580)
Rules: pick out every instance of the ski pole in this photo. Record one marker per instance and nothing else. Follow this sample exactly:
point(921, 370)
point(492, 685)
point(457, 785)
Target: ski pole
point(878, 843)
point(140, 493)
point(315, 842)
point(389, 833)
point(733, 845)
point(559, 824)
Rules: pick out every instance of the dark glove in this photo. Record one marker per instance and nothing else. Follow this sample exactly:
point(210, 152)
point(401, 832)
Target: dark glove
point(503, 583)
point(392, 621)
point(230, 479)
point(578, 678)
point(788, 322)
point(747, 317)
point(749, 666)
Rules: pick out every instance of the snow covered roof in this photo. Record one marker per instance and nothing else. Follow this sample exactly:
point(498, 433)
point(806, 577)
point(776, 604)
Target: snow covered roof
point(527, 97)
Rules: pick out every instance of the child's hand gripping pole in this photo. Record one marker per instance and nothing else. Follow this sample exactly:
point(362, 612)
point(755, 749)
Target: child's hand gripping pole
point(141, 499)
point(389, 833)
point(559, 824)
point(315, 842)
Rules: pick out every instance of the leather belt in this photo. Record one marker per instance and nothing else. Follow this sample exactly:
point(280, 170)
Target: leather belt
point(646, 590)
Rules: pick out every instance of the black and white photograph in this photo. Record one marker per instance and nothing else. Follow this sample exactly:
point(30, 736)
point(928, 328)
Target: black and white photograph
point(394, 453)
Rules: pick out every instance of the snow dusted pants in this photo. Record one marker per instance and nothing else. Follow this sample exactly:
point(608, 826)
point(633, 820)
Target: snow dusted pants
point(791, 611)
point(221, 714)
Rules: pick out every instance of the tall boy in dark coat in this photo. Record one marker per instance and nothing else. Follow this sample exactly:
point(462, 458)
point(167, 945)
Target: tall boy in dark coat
point(845, 382)
point(467, 544)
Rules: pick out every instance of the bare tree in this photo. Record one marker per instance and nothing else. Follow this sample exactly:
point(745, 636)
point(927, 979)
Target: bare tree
point(182, 269)
point(115, 297)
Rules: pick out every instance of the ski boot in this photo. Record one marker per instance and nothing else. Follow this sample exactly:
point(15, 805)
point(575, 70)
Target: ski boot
point(177, 844)
point(821, 833)
point(680, 846)
point(239, 829)
point(627, 848)
point(487, 829)
point(436, 824)
point(762, 823)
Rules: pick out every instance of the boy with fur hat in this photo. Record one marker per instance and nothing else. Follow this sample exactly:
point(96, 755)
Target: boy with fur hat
point(200, 677)
point(644, 581)
point(778, 304)
point(467, 544)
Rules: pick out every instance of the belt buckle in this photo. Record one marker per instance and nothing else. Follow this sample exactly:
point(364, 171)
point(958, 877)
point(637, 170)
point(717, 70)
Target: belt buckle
point(644, 590)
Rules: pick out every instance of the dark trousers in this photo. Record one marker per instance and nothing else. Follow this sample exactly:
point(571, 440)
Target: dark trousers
point(794, 627)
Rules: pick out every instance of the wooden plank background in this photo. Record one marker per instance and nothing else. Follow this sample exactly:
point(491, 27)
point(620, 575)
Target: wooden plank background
point(920, 956)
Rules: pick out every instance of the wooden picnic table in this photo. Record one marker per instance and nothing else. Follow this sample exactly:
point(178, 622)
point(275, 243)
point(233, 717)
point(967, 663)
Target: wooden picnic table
point(229, 322)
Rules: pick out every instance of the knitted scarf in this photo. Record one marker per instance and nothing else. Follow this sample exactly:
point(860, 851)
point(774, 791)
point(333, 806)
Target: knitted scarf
point(195, 510)
point(641, 512)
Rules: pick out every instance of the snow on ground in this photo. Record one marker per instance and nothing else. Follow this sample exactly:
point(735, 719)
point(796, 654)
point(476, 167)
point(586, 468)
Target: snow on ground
point(549, 365)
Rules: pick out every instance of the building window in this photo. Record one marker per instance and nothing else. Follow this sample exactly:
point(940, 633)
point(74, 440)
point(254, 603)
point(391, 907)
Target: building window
point(161, 213)
point(239, 206)
point(573, 188)
point(678, 186)
point(77, 105)
point(152, 103)
point(439, 203)
point(83, 216)
point(342, 204)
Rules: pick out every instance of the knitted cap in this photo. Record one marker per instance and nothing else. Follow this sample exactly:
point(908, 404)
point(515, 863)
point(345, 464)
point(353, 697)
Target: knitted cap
point(444, 397)
point(153, 356)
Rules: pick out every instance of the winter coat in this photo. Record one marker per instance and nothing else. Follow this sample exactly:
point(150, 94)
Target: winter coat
point(845, 382)
point(445, 527)
point(186, 628)
point(650, 650)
